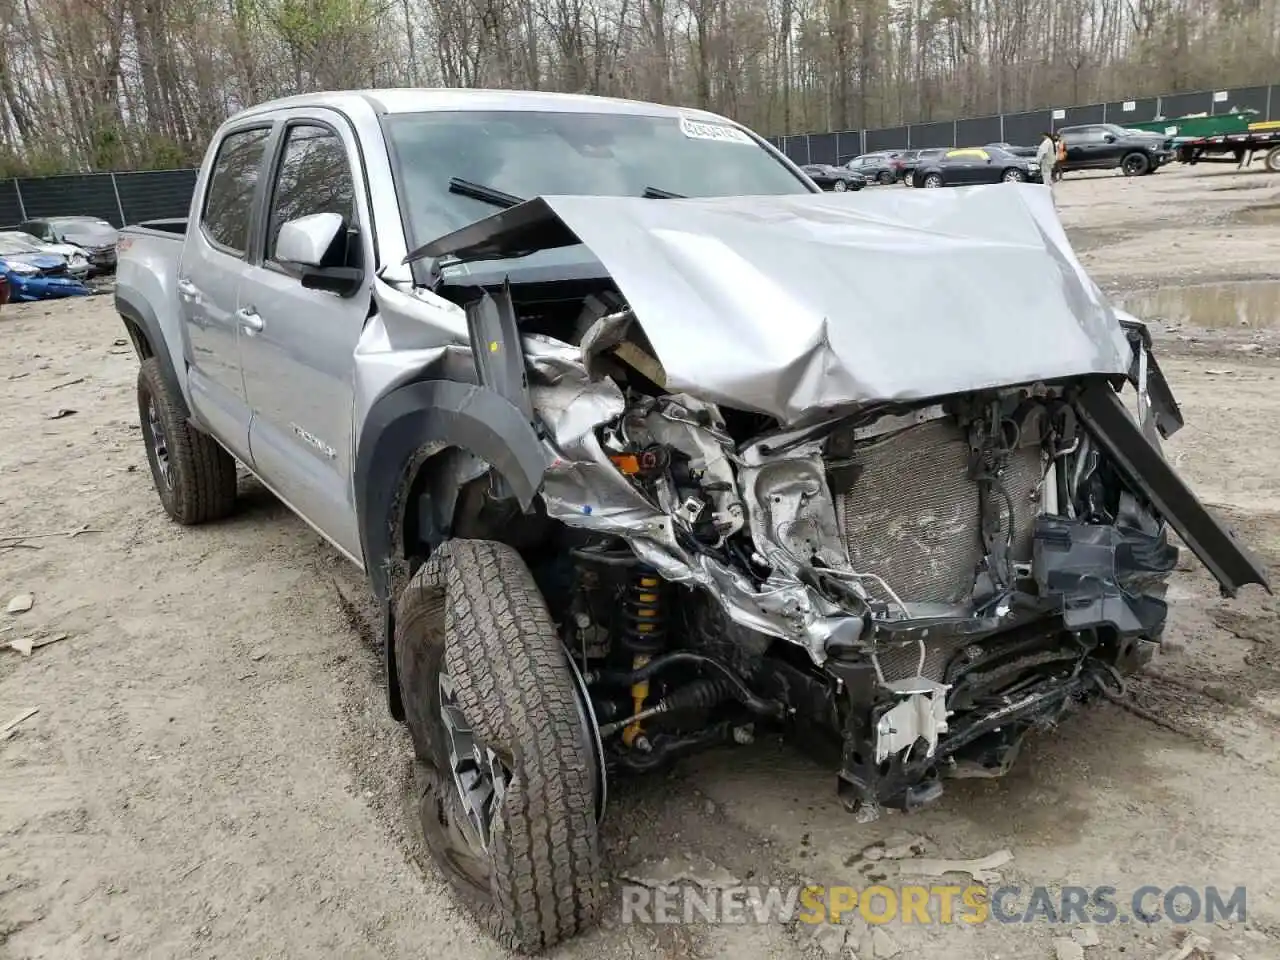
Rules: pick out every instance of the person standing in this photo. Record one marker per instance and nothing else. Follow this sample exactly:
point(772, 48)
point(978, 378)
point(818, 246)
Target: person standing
point(1046, 157)
point(1062, 157)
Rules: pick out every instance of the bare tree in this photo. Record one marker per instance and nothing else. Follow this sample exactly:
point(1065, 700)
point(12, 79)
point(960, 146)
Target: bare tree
point(99, 84)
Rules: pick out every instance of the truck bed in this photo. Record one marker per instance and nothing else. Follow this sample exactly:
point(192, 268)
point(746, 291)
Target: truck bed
point(171, 226)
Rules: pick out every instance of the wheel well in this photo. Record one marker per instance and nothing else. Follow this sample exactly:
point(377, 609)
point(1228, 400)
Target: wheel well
point(141, 345)
point(451, 493)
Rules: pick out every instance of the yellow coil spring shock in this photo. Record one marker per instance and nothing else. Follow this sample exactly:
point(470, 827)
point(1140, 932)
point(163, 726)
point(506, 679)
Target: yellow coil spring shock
point(646, 635)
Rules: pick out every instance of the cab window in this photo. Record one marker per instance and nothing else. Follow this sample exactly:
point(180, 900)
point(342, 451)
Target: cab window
point(228, 202)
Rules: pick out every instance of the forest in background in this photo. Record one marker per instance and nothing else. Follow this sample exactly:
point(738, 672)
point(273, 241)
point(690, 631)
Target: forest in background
point(141, 84)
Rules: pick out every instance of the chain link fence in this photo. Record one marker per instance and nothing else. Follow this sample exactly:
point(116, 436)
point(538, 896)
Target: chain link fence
point(153, 194)
point(1025, 129)
point(118, 197)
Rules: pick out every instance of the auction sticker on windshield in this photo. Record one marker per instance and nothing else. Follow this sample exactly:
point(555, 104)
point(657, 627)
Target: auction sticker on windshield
point(701, 130)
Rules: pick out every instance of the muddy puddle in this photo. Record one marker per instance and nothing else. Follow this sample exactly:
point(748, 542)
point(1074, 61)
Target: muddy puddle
point(1250, 303)
point(1262, 214)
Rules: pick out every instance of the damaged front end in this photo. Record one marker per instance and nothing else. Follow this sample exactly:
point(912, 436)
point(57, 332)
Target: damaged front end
point(914, 575)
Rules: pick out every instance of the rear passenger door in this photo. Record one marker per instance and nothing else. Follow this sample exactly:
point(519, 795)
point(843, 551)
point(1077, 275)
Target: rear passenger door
point(298, 344)
point(214, 262)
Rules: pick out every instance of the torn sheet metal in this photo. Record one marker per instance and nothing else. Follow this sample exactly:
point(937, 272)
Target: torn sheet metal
point(583, 488)
point(795, 305)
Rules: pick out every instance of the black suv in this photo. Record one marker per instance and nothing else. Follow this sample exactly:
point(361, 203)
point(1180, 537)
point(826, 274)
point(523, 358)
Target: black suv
point(1105, 146)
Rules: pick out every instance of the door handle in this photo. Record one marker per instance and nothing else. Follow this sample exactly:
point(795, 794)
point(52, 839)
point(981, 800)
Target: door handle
point(188, 290)
point(250, 320)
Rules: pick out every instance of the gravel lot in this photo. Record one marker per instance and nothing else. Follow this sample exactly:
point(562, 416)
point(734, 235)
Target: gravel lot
point(212, 771)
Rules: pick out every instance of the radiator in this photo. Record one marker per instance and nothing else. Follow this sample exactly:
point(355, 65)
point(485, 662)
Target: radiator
point(912, 515)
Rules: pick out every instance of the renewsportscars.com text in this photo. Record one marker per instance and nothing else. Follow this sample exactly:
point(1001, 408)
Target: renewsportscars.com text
point(931, 904)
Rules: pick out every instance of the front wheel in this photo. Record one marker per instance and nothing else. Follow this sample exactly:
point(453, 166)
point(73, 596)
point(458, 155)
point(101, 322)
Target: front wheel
point(1135, 164)
point(1272, 160)
point(490, 702)
point(933, 180)
point(1013, 175)
point(195, 477)
point(839, 186)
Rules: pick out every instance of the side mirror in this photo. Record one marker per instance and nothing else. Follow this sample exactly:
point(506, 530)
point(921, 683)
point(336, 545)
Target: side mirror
point(306, 240)
point(316, 245)
point(1109, 137)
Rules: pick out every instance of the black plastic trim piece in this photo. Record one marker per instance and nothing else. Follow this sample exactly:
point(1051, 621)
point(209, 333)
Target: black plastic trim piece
point(1231, 563)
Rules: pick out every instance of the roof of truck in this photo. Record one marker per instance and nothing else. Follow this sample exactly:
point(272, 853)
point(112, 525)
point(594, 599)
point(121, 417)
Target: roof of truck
point(420, 99)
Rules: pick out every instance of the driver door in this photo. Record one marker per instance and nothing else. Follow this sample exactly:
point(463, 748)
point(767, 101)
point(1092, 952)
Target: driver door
point(1087, 149)
point(298, 344)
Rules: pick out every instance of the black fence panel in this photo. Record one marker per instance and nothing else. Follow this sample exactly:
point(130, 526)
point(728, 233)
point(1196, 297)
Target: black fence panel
point(155, 194)
point(1139, 111)
point(797, 148)
point(1086, 113)
point(887, 138)
point(1249, 98)
point(822, 148)
point(977, 131)
point(10, 208)
point(848, 145)
point(89, 195)
point(1181, 104)
point(1026, 129)
point(941, 134)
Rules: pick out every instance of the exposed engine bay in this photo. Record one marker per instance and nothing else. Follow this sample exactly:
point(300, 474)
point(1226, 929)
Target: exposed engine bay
point(915, 566)
point(918, 586)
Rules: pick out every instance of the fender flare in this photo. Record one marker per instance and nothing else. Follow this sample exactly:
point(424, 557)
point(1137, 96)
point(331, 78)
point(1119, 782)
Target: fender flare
point(443, 413)
point(138, 313)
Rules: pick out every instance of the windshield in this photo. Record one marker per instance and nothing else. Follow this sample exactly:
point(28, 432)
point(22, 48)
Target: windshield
point(528, 153)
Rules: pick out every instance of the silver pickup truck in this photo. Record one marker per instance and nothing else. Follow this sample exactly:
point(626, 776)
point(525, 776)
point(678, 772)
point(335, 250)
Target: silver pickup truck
point(644, 443)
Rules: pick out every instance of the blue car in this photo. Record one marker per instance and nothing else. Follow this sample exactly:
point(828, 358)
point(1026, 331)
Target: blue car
point(39, 276)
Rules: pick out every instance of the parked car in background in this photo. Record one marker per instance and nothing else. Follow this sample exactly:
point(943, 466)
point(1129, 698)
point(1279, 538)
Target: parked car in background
point(39, 276)
point(882, 167)
point(16, 242)
point(838, 179)
point(966, 165)
point(1013, 148)
point(95, 235)
point(913, 158)
point(1106, 146)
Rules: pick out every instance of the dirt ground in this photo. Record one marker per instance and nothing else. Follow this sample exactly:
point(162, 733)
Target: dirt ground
point(212, 772)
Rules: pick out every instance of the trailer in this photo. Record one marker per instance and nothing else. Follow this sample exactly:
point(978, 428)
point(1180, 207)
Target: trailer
point(1238, 148)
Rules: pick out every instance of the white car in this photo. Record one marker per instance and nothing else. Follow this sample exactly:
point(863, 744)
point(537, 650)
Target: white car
point(15, 241)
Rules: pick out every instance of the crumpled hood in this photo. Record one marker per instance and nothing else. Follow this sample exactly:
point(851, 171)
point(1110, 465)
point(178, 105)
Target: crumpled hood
point(794, 305)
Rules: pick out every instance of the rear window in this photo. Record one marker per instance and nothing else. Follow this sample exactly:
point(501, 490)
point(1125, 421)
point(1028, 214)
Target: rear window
point(228, 202)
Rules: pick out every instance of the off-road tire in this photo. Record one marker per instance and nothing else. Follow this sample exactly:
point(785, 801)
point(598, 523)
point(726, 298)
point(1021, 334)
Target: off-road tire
point(202, 483)
point(475, 609)
point(1135, 164)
